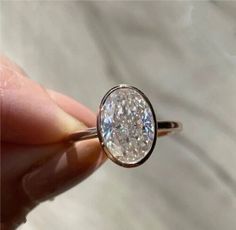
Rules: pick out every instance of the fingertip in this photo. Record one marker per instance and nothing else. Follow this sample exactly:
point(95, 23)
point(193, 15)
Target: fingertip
point(32, 115)
point(28, 114)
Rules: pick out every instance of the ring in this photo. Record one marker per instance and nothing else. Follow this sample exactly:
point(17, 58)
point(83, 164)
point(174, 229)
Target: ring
point(127, 127)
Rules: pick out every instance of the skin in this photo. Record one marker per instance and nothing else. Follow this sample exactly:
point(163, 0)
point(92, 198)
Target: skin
point(36, 162)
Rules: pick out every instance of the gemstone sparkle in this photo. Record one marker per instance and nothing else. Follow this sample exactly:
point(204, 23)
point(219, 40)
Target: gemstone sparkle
point(127, 125)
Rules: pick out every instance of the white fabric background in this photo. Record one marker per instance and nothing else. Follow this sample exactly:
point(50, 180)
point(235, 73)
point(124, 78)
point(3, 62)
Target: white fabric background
point(183, 56)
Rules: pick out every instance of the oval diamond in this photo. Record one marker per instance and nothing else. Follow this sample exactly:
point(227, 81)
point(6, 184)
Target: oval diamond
point(127, 125)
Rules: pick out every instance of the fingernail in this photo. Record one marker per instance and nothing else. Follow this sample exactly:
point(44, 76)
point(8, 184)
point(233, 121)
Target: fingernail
point(69, 124)
point(66, 124)
point(63, 171)
point(67, 121)
point(73, 107)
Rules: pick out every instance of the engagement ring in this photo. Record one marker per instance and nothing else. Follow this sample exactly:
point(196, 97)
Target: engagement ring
point(127, 127)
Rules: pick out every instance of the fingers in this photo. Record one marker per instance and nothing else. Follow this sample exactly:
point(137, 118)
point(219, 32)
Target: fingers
point(30, 116)
point(63, 171)
point(33, 122)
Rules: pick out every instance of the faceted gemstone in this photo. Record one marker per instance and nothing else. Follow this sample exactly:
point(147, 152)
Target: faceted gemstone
point(127, 125)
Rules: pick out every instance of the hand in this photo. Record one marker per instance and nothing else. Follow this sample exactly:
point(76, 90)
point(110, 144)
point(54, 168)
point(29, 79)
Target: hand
point(36, 164)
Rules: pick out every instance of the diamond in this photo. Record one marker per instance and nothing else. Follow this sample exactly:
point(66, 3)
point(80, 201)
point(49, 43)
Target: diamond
point(127, 125)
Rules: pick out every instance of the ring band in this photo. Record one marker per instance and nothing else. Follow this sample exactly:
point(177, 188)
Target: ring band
point(127, 127)
point(164, 128)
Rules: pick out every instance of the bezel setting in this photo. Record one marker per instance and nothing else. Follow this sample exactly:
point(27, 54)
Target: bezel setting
point(99, 128)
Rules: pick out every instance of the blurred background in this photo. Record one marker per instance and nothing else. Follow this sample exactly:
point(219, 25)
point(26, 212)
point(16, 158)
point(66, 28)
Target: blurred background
point(183, 56)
